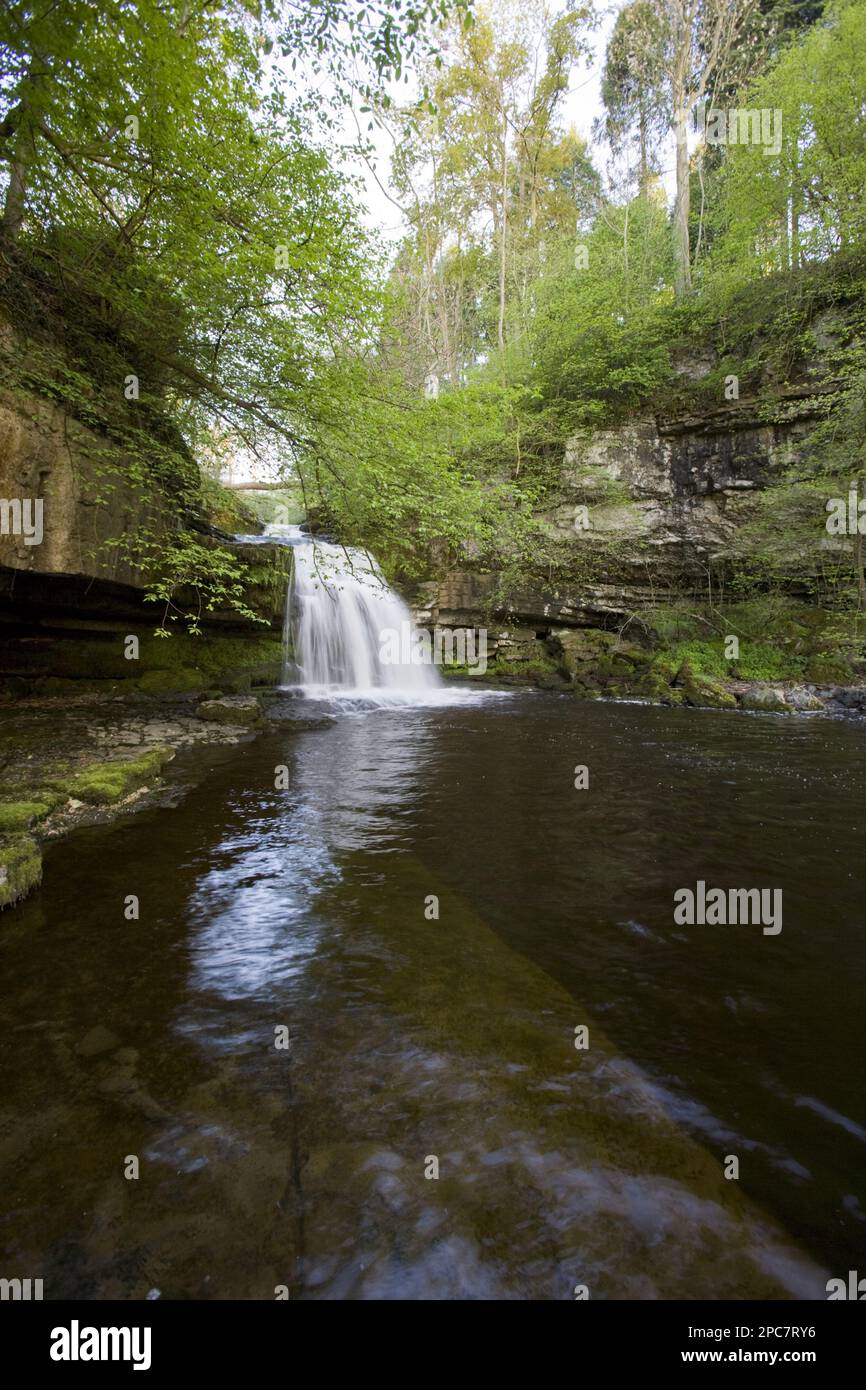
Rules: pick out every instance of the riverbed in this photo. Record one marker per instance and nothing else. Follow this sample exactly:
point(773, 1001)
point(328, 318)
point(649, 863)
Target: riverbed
point(338, 1037)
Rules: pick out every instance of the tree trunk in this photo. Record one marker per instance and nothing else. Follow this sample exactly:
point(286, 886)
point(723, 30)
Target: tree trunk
point(16, 192)
point(795, 204)
point(503, 230)
point(13, 207)
point(682, 255)
point(643, 173)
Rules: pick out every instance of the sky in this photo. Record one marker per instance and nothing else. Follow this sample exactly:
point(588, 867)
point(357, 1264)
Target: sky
point(580, 108)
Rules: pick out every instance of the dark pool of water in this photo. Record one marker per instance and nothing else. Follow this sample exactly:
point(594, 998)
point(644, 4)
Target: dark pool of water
point(417, 1040)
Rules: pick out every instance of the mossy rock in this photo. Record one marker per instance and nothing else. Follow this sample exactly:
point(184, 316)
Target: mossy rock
point(20, 867)
point(107, 782)
point(49, 795)
point(182, 681)
point(20, 815)
point(243, 711)
point(657, 682)
point(765, 698)
point(703, 691)
point(179, 664)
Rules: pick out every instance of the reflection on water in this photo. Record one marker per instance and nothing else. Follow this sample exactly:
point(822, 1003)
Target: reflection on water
point(448, 1035)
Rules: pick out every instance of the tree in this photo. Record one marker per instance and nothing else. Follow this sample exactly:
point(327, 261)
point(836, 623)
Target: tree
point(486, 180)
point(632, 87)
point(804, 203)
point(170, 219)
point(701, 39)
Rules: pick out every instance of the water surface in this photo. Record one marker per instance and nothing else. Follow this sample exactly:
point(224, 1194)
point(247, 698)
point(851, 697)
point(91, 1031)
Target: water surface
point(415, 1038)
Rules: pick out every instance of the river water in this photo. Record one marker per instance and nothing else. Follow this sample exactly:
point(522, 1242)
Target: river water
point(417, 1041)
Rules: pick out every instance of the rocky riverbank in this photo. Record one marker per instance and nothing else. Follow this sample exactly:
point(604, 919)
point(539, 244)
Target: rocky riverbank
point(78, 761)
point(686, 687)
point(594, 664)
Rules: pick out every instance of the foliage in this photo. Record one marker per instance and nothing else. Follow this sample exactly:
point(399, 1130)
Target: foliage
point(179, 256)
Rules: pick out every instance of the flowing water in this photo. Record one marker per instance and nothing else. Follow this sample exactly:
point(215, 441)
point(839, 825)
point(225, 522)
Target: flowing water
point(414, 1038)
point(348, 629)
point(346, 634)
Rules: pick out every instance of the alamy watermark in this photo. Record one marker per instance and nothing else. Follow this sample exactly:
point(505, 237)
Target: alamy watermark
point(853, 1289)
point(847, 516)
point(20, 1290)
point(738, 126)
point(444, 646)
point(729, 907)
point(22, 516)
point(77, 1343)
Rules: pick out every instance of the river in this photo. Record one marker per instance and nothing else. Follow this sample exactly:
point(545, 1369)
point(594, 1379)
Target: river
point(419, 1042)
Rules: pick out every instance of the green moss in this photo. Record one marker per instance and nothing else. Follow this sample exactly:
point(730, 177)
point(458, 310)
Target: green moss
point(20, 867)
point(703, 658)
point(180, 664)
point(703, 691)
point(530, 672)
point(178, 682)
point(458, 672)
point(224, 711)
point(657, 683)
point(20, 815)
point(106, 782)
point(827, 669)
point(759, 662)
point(50, 797)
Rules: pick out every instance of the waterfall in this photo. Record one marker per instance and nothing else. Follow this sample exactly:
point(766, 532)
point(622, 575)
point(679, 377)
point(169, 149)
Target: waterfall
point(350, 632)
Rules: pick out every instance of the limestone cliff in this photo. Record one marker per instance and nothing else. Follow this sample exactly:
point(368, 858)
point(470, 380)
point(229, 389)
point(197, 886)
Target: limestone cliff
point(649, 519)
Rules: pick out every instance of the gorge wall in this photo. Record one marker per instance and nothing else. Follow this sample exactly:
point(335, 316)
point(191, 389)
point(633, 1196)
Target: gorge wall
point(70, 594)
point(649, 522)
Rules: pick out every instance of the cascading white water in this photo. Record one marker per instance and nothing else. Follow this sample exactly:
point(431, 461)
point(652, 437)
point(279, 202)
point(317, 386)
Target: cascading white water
point(351, 634)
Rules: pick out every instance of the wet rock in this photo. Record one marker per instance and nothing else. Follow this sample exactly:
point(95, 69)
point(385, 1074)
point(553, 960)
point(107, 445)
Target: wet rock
point(850, 696)
point(765, 697)
point(800, 698)
point(241, 710)
point(126, 1056)
point(113, 781)
point(118, 1083)
point(99, 1039)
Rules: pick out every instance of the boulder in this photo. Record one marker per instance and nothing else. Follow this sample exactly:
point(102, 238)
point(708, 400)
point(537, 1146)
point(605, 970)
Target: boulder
point(703, 691)
point(800, 698)
point(242, 711)
point(850, 696)
point(767, 698)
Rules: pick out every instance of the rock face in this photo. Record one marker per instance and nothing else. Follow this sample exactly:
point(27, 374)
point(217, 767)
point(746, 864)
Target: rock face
point(46, 454)
point(641, 515)
point(647, 504)
point(69, 593)
point(50, 457)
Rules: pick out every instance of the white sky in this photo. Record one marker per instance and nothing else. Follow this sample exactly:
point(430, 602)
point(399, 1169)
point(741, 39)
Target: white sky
point(581, 107)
